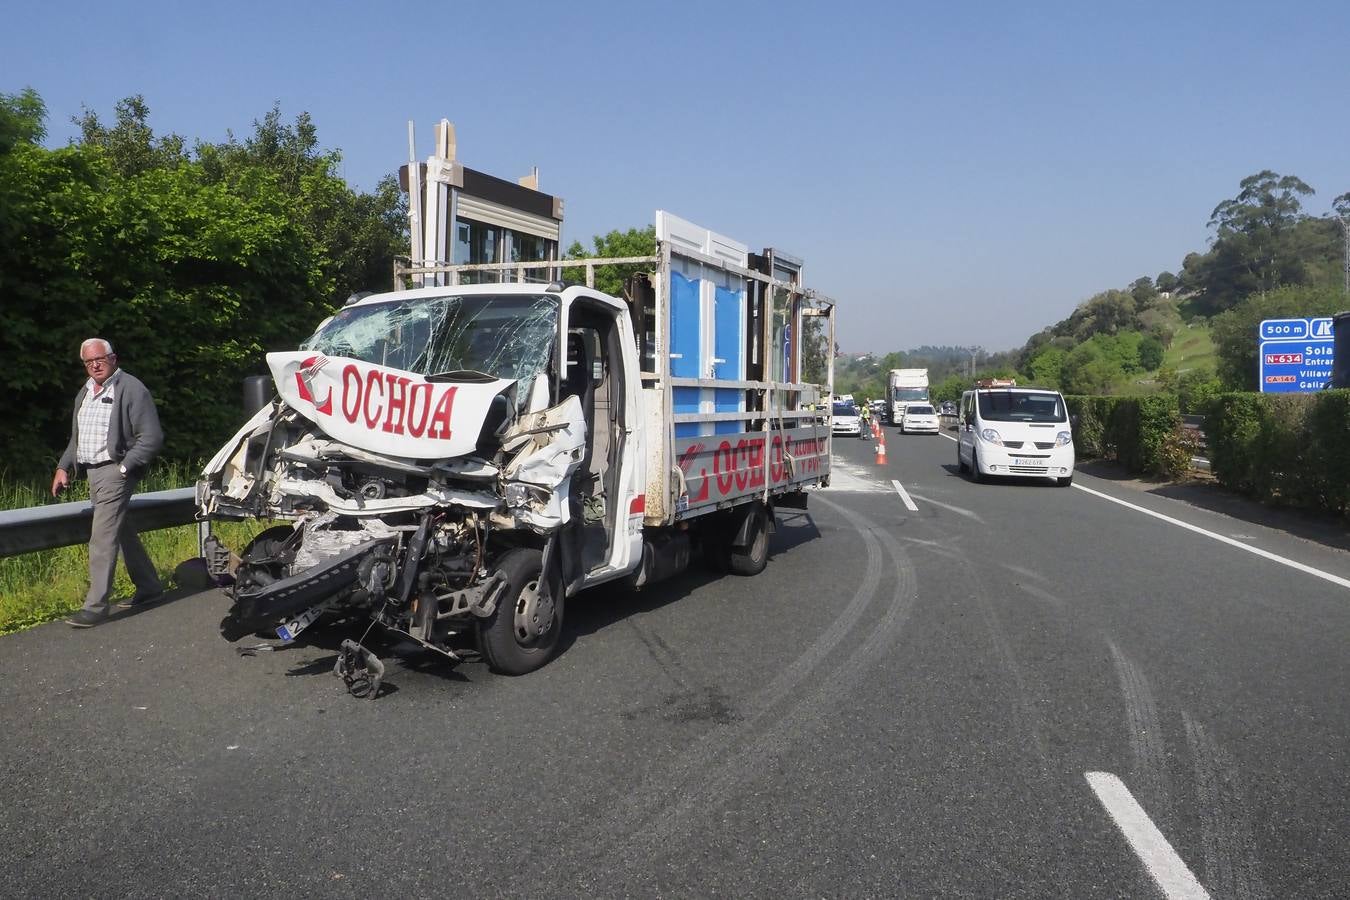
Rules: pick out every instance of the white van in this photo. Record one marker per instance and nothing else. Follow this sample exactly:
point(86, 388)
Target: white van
point(1020, 432)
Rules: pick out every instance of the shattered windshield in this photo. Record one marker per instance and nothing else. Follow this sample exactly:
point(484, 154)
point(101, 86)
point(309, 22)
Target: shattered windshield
point(502, 335)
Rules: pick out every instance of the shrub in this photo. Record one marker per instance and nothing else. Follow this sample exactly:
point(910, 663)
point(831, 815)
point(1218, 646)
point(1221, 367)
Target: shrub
point(1137, 431)
point(1287, 449)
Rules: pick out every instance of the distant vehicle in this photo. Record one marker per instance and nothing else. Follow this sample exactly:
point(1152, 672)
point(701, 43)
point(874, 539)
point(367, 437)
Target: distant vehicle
point(903, 387)
point(846, 419)
point(1019, 432)
point(920, 418)
point(948, 408)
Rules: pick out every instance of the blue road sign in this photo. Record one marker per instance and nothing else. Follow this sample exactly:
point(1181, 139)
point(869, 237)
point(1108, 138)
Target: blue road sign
point(1320, 329)
point(1293, 367)
point(1283, 329)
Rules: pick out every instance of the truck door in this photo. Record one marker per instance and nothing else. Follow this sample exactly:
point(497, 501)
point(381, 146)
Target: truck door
point(597, 535)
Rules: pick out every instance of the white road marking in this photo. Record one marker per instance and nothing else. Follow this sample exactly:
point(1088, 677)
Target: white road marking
point(950, 438)
point(956, 509)
point(1148, 843)
point(909, 504)
point(1223, 539)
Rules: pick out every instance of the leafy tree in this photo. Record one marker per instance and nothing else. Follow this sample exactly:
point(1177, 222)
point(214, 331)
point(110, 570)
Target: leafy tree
point(1046, 367)
point(1263, 240)
point(1150, 352)
point(23, 118)
point(949, 388)
point(1166, 282)
point(1143, 292)
point(1086, 370)
point(130, 143)
point(615, 244)
point(192, 272)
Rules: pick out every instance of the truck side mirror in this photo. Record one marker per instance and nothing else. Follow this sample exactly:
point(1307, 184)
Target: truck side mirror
point(257, 393)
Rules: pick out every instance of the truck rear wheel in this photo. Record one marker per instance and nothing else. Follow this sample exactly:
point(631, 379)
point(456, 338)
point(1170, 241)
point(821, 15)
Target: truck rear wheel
point(754, 556)
point(522, 633)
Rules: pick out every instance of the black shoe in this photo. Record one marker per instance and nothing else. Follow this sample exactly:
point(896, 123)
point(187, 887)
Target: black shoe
point(140, 599)
point(87, 618)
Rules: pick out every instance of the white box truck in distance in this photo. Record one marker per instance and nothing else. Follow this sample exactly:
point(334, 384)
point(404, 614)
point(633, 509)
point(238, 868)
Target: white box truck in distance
point(903, 387)
point(453, 462)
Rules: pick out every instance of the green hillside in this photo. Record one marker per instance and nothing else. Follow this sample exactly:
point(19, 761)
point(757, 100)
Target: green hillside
point(1192, 348)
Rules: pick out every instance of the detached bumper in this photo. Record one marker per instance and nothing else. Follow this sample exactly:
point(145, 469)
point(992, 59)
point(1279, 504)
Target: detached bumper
point(265, 607)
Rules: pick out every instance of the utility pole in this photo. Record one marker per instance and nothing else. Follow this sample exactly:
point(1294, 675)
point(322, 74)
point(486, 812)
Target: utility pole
point(1345, 251)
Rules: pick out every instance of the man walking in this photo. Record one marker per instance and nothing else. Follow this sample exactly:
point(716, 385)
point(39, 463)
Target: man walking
point(114, 435)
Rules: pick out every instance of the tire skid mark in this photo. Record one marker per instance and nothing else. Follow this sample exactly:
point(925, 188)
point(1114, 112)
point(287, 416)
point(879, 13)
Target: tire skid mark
point(1227, 847)
point(1027, 715)
point(660, 652)
point(1043, 595)
point(1145, 731)
point(672, 801)
point(696, 801)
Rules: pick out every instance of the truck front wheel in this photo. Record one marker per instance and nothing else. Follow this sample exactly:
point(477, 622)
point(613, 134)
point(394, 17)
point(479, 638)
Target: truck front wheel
point(522, 633)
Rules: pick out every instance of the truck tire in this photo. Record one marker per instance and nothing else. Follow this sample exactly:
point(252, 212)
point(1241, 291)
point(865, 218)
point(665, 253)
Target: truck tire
point(960, 464)
point(975, 474)
point(522, 632)
point(714, 538)
point(754, 556)
point(1065, 481)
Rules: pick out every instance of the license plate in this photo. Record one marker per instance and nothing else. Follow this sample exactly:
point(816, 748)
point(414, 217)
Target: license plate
point(1030, 463)
point(288, 631)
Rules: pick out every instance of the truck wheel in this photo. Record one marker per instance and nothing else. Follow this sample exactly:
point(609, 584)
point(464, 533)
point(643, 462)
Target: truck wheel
point(1065, 481)
point(975, 474)
point(960, 463)
point(522, 633)
point(752, 559)
point(714, 539)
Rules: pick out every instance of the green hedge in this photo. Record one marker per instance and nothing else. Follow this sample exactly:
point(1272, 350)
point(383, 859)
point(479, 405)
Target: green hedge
point(1290, 449)
point(1143, 433)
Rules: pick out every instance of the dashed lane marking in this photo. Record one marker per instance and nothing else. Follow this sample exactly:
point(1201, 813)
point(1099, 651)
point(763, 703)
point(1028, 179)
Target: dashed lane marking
point(900, 488)
point(1172, 875)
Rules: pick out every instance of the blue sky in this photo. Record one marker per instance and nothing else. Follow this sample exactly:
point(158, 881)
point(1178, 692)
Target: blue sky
point(957, 173)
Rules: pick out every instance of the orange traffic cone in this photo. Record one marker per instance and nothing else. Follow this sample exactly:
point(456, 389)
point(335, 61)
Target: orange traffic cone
point(881, 449)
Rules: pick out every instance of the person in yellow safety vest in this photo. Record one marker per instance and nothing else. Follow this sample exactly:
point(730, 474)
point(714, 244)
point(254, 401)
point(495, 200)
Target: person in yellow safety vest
point(865, 417)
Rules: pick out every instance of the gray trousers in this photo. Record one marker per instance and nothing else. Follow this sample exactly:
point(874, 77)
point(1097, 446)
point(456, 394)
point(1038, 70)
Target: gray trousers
point(110, 493)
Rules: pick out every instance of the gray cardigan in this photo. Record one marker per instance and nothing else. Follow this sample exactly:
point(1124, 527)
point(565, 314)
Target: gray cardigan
point(134, 435)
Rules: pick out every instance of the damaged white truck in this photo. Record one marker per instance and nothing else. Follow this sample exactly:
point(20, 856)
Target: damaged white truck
point(454, 461)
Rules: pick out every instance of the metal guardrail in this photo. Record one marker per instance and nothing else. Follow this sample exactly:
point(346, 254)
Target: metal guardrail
point(64, 524)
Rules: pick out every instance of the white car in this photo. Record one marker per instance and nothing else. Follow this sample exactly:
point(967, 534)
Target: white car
point(920, 418)
point(846, 419)
point(1022, 432)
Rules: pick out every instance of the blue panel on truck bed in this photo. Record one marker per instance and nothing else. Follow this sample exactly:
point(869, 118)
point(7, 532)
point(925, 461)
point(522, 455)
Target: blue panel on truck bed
point(685, 318)
point(728, 315)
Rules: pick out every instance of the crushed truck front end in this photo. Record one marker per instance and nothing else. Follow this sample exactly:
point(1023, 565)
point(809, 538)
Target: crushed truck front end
point(416, 463)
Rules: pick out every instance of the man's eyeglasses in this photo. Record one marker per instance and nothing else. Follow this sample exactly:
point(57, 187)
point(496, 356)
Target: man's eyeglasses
point(97, 360)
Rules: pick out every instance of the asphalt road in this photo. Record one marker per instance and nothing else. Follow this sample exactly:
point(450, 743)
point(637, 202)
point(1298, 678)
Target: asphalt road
point(904, 704)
